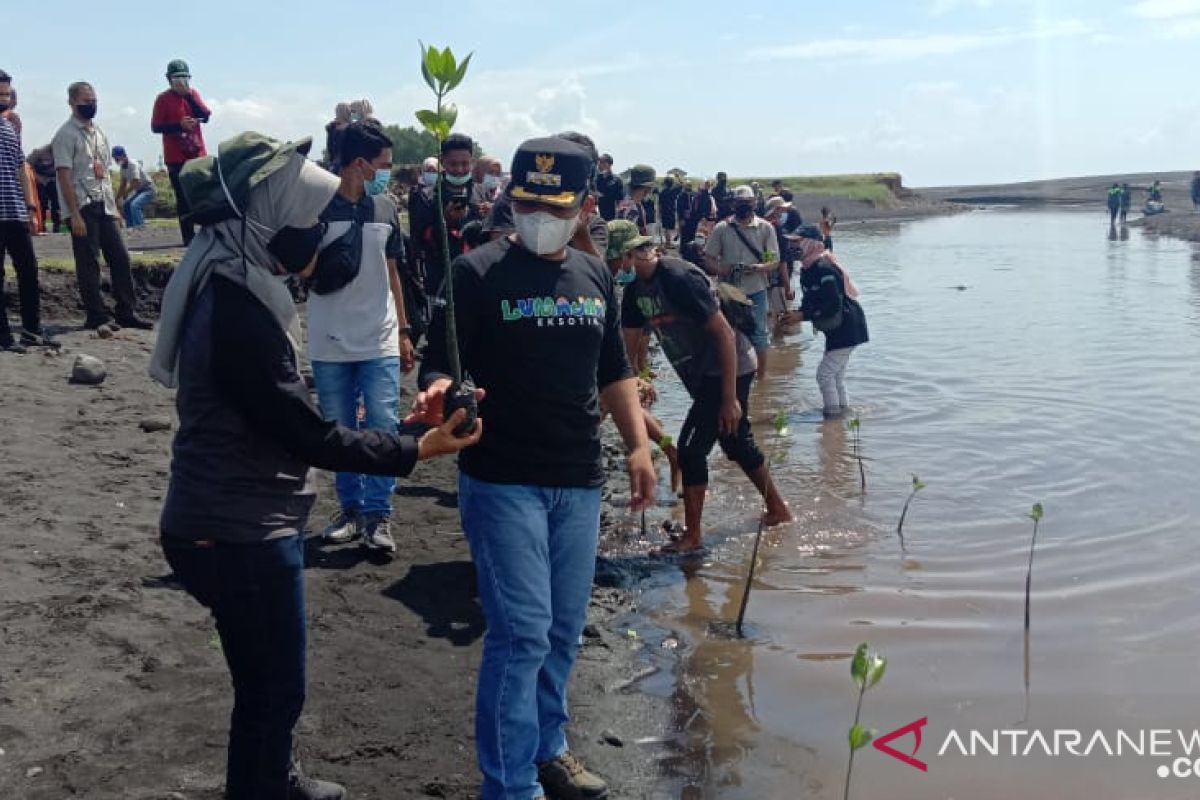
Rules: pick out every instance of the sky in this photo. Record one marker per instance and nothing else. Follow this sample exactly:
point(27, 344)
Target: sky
point(942, 91)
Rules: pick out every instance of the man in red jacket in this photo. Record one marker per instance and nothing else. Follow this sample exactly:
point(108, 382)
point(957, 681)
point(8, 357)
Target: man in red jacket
point(178, 114)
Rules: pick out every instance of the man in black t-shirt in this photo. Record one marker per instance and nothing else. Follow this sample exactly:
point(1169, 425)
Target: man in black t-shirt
point(716, 365)
point(538, 328)
point(610, 188)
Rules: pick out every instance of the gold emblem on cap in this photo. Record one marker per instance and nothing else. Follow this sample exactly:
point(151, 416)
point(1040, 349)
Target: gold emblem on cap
point(544, 161)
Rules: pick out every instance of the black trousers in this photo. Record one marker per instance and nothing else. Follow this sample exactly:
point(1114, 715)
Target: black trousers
point(16, 241)
point(103, 236)
point(48, 197)
point(186, 229)
point(701, 430)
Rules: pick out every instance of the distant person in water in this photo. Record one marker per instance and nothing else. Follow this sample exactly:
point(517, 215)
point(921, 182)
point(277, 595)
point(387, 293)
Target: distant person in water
point(1155, 192)
point(1196, 190)
point(1114, 203)
point(830, 304)
point(1126, 201)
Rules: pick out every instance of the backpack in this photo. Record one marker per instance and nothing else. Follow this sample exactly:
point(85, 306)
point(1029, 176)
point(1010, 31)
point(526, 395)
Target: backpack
point(737, 308)
point(339, 261)
point(829, 316)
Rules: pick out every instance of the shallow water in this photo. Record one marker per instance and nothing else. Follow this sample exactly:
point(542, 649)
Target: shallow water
point(1063, 373)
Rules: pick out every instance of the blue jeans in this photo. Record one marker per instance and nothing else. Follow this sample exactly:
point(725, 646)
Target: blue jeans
point(761, 338)
point(340, 385)
point(534, 550)
point(134, 205)
point(256, 594)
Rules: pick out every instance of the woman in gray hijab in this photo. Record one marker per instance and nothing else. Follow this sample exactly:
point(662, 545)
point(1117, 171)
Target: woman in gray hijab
point(241, 486)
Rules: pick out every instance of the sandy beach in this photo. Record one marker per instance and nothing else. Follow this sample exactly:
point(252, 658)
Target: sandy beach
point(112, 683)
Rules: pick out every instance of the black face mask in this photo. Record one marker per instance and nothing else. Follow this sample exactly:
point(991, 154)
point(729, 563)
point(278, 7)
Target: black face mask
point(743, 210)
point(295, 247)
point(87, 110)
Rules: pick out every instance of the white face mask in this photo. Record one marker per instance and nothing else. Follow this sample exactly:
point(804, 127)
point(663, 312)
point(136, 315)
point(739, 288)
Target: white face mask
point(428, 178)
point(491, 182)
point(544, 233)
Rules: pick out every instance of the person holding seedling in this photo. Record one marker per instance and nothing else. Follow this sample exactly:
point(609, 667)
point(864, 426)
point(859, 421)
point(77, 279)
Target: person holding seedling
point(538, 329)
point(742, 250)
point(716, 364)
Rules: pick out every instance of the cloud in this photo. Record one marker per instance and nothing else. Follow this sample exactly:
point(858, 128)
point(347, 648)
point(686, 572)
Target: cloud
point(904, 48)
point(1166, 9)
point(940, 8)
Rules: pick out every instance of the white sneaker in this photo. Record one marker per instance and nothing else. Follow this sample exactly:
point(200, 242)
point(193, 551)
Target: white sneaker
point(344, 527)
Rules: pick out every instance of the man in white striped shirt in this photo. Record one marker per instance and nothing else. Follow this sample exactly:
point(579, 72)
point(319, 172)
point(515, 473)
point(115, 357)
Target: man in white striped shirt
point(17, 201)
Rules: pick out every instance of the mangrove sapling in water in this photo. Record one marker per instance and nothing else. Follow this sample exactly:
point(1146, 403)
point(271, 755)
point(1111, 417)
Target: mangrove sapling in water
point(781, 430)
point(917, 486)
point(442, 73)
point(1035, 514)
point(866, 670)
point(853, 424)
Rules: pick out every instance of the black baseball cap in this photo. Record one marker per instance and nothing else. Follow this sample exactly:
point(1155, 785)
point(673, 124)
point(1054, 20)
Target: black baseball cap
point(550, 170)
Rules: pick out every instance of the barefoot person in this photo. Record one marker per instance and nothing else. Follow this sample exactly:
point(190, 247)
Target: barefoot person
point(623, 237)
point(716, 365)
point(241, 489)
point(538, 327)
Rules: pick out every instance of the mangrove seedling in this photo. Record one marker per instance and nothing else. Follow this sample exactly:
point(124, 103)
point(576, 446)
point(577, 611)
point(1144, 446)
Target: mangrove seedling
point(917, 486)
point(781, 423)
point(853, 424)
point(749, 580)
point(442, 73)
point(1035, 514)
point(866, 669)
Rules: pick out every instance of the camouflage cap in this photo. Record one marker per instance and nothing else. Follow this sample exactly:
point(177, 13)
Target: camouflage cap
point(623, 236)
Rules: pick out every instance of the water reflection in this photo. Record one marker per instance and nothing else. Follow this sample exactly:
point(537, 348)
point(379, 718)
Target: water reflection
point(714, 700)
point(1032, 385)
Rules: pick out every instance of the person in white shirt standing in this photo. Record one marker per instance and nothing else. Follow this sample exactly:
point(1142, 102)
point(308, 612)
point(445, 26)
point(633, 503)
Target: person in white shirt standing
point(358, 333)
point(742, 250)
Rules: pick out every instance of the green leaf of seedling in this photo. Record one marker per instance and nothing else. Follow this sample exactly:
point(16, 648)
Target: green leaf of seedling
point(460, 73)
point(852, 423)
point(1035, 513)
point(426, 72)
point(875, 669)
point(429, 120)
point(666, 440)
point(858, 664)
point(445, 66)
point(443, 130)
point(450, 115)
point(918, 485)
point(860, 737)
point(780, 423)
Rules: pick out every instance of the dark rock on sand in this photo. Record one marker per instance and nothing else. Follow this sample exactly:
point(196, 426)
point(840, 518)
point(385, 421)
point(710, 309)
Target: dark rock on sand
point(88, 370)
point(155, 424)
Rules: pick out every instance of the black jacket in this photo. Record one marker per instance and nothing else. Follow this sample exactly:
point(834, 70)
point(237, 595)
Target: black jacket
point(824, 286)
point(248, 429)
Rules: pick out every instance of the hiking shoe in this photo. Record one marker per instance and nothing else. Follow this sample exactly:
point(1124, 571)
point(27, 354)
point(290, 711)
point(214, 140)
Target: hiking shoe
point(12, 347)
point(302, 787)
point(92, 323)
point(565, 778)
point(344, 527)
point(134, 321)
point(377, 534)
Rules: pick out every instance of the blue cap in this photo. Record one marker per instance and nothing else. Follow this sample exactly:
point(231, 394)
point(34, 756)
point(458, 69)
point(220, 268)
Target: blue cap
point(118, 151)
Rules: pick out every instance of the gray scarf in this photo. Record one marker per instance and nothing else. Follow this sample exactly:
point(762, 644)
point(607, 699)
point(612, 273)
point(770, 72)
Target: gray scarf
point(236, 249)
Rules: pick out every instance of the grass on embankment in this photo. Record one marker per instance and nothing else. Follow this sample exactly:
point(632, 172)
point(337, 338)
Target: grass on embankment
point(875, 188)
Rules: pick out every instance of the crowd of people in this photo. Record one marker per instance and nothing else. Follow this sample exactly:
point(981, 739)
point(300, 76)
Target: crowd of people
point(559, 272)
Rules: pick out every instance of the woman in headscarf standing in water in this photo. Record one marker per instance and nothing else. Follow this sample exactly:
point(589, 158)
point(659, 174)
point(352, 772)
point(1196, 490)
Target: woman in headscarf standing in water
point(241, 489)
